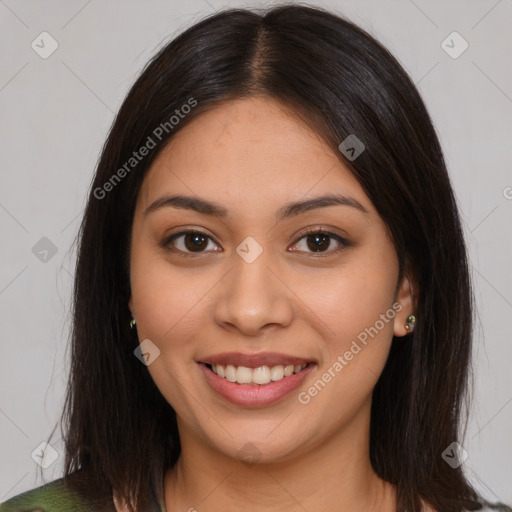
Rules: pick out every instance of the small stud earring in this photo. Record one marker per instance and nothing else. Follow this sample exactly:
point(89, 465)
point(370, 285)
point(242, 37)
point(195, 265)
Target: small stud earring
point(132, 323)
point(411, 322)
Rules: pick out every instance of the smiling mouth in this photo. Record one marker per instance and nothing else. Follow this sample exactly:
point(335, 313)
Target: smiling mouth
point(262, 375)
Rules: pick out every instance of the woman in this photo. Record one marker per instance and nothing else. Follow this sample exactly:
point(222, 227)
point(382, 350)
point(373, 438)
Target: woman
point(272, 301)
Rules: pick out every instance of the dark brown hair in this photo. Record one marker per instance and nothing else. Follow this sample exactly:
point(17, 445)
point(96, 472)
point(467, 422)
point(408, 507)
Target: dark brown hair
point(341, 81)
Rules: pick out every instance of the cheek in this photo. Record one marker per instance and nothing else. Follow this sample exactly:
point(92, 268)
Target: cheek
point(355, 305)
point(166, 300)
point(351, 300)
point(169, 312)
point(357, 344)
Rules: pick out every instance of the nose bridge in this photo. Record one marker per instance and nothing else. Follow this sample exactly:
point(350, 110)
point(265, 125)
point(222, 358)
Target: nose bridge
point(251, 272)
point(252, 296)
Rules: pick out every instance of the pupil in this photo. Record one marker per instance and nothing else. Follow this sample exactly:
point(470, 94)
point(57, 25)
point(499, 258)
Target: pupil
point(316, 247)
point(194, 245)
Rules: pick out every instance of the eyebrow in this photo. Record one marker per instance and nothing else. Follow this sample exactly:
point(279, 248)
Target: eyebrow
point(288, 210)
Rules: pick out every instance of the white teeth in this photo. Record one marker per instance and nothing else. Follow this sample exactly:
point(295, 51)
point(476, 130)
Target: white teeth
point(288, 370)
point(243, 375)
point(277, 372)
point(230, 373)
point(261, 375)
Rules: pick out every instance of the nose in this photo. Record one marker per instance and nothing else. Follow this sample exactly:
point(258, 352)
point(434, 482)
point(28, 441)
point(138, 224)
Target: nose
point(253, 297)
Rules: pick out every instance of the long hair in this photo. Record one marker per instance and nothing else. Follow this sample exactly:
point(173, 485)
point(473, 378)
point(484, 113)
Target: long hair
point(341, 81)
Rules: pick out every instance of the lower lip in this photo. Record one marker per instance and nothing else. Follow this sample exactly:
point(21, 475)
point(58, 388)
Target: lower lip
point(255, 395)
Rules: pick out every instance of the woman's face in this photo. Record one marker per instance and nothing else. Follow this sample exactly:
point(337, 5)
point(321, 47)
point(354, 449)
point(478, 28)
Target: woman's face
point(254, 289)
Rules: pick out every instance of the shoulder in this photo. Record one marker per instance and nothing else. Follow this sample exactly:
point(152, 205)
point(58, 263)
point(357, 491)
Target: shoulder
point(54, 496)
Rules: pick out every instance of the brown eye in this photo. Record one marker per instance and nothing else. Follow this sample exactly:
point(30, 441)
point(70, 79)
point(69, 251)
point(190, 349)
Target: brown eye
point(318, 241)
point(195, 242)
point(187, 242)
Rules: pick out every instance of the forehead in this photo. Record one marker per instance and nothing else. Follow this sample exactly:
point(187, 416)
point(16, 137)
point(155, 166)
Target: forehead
point(249, 152)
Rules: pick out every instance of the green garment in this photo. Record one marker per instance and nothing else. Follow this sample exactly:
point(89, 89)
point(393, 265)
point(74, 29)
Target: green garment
point(56, 497)
point(51, 497)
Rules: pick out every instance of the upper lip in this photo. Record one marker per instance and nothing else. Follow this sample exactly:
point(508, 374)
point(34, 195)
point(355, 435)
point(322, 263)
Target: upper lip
point(254, 360)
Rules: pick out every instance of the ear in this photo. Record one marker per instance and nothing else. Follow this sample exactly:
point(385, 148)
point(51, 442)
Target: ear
point(406, 297)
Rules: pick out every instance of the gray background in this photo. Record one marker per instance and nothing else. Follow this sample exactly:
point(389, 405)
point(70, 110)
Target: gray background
point(55, 114)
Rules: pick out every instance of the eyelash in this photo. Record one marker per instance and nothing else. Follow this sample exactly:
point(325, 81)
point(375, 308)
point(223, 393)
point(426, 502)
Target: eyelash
point(312, 231)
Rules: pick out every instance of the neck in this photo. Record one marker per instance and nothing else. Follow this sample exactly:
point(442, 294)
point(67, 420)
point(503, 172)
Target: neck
point(336, 475)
